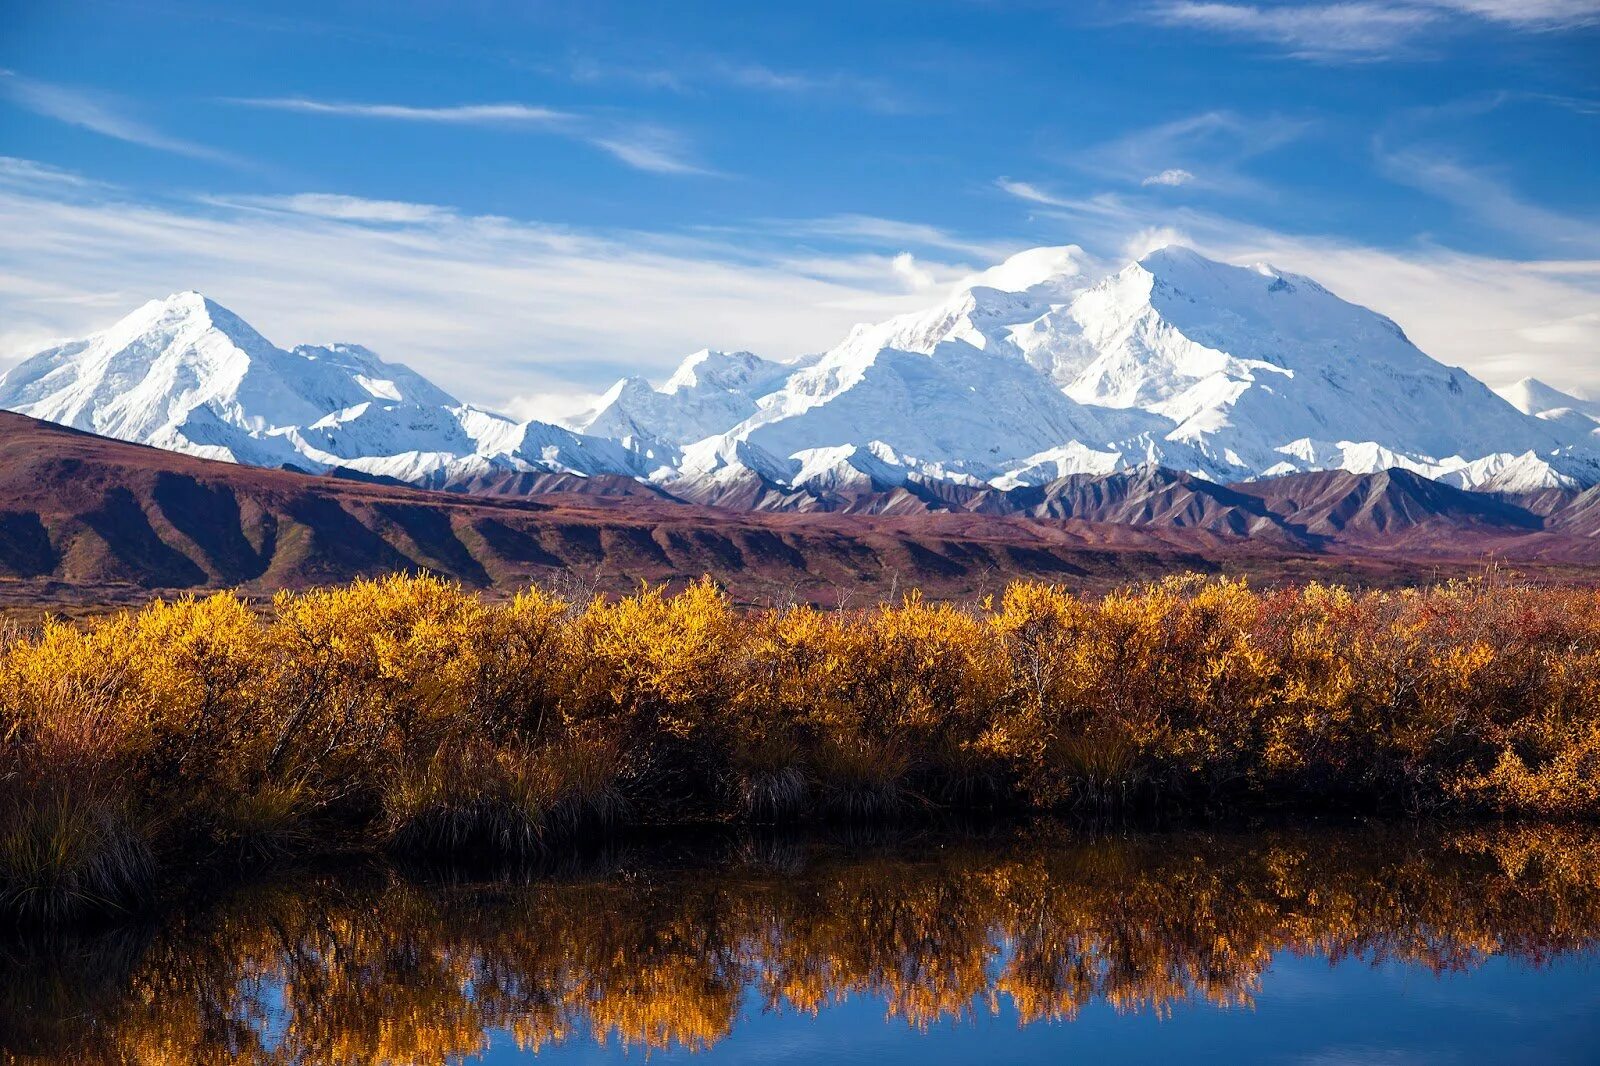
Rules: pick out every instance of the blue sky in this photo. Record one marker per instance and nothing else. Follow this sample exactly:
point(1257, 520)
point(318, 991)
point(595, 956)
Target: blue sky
point(524, 200)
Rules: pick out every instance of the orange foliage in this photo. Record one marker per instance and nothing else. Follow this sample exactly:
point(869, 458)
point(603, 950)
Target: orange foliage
point(409, 713)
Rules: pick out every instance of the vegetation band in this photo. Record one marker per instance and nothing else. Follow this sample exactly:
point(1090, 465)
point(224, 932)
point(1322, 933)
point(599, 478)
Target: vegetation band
point(411, 716)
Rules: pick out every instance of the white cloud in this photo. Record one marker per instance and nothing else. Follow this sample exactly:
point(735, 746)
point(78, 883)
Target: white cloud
point(469, 114)
point(99, 115)
point(652, 149)
point(641, 146)
point(1150, 238)
point(1367, 29)
point(1353, 30)
point(1207, 150)
point(1485, 199)
point(1023, 190)
point(1170, 176)
point(691, 74)
point(557, 404)
point(916, 277)
point(1536, 14)
point(346, 208)
point(491, 308)
point(877, 232)
point(16, 171)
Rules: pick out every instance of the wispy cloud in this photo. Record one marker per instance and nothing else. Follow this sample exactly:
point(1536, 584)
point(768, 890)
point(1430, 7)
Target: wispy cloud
point(492, 308)
point(1208, 150)
point(699, 73)
point(1026, 190)
point(1533, 14)
point(1364, 30)
point(1486, 199)
point(1421, 147)
point(100, 115)
point(916, 276)
point(1170, 176)
point(878, 232)
point(641, 146)
point(656, 150)
point(468, 114)
point(339, 207)
point(16, 171)
point(1355, 30)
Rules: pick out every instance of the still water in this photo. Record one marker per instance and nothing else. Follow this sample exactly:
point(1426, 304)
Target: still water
point(1025, 944)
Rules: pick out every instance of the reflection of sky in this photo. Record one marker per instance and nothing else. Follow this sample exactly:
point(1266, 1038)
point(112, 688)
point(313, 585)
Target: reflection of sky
point(1308, 1013)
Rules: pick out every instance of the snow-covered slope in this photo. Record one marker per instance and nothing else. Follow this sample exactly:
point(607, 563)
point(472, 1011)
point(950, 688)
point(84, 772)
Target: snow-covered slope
point(189, 375)
point(1577, 419)
point(709, 392)
point(1533, 397)
point(1044, 366)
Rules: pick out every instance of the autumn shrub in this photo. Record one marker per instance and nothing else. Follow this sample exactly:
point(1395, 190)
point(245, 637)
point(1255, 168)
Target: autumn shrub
point(470, 798)
point(409, 714)
point(653, 678)
point(1141, 696)
point(71, 843)
point(858, 715)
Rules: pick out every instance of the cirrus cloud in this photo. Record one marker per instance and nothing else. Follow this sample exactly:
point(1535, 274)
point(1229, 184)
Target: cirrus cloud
point(638, 145)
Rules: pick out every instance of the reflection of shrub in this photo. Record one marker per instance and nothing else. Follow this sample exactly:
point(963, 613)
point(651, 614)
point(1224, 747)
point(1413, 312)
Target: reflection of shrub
point(408, 713)
point(1041, 920)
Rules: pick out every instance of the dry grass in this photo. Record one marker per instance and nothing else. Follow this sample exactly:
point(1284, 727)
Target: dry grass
point(66, 856)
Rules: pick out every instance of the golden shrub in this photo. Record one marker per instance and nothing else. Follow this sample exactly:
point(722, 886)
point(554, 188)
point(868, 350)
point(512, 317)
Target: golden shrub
point(346, 715)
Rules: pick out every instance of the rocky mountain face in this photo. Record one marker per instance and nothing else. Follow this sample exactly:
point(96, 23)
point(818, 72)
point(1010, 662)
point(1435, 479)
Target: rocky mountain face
point(1037, 372)
point(93, 521)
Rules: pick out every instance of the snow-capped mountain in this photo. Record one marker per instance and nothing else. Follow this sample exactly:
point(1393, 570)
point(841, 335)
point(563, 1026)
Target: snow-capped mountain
point(1533, 397)
point(1578, 418)
point(1045, 366)
point(189, 375)
point(709, 392)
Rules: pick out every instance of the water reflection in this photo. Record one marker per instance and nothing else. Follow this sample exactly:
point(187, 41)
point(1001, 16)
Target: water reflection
point(659, 952)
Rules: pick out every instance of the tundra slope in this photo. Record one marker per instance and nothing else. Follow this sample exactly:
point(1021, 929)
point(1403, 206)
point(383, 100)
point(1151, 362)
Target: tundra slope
point(85, 520)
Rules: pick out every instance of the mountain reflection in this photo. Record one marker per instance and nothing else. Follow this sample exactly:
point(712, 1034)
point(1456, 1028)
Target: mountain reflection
point(380, 968)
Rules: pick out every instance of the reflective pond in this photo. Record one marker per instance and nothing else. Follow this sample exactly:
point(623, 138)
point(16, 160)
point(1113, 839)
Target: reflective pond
point(1393, 944)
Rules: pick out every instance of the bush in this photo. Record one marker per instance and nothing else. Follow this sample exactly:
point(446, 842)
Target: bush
point(408, 714)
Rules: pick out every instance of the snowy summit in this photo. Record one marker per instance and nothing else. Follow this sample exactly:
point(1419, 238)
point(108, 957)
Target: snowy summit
point(1039, 367)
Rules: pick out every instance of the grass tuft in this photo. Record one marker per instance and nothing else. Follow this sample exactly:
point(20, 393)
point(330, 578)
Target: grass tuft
point(66, 856)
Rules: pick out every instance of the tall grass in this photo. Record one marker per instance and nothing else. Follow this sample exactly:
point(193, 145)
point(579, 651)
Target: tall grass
point(408, 714)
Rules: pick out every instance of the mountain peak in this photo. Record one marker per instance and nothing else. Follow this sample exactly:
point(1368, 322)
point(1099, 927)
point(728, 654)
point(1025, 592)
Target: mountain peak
point(1179, 264)
point(190, 304)
point(1174, 255)
point(1534, 397)
point(189, 309)
point(709, 368)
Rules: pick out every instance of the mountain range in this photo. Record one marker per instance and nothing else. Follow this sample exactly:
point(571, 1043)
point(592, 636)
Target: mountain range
point(86, 521)
point(1027, 381)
